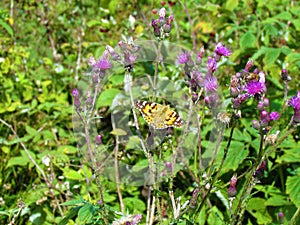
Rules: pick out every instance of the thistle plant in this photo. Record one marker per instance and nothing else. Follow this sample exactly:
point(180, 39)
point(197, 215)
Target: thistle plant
point(166, 151)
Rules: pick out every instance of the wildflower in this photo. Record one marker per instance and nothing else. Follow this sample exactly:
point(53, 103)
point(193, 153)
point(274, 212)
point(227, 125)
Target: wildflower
point(102, 64)
point(254, 88)
point(75, 92)
point(274, 116)
point(221, 50)
point(232, 187)
point(99, 139)
point(211, 64)
point(210, 83)
point(184, 57)
point(295, 103)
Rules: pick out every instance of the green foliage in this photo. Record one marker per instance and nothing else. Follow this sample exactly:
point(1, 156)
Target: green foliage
point(44, 54)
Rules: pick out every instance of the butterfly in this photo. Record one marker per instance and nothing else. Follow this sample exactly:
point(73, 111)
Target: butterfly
point(157, 115)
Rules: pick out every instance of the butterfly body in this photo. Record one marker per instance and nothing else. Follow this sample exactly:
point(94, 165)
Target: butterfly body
point(158, 116)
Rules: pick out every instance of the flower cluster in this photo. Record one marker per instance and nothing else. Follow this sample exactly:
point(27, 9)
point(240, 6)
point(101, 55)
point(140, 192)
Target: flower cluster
point(100, 66)
point(196, 79)
point(245, 85)
point(295, 103)
point(163, 25)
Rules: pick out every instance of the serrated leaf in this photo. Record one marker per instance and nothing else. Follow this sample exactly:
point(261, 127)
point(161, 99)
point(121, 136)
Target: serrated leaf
point(235, 156)
point(293, 189)
point(248, 40)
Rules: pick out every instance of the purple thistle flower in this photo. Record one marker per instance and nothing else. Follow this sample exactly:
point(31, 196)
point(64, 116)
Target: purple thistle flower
point(295, 103)
point(75, 93)
point(221, 50)
point(210, 83)
point(254, 87)
point(183, 58)
point(211, 64)
point(274, 116)
point(102, 64)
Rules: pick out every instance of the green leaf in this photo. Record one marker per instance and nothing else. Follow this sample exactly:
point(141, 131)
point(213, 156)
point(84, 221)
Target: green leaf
point(278, 200)
point(271, 54)
point(215, 217)
point(293, 189)
point(293, 57)
point(73, 202)
point(107, 96)
point(86, 213)
point(248, 40)
point(235, 156)
point(134, 205)
point(231, 4)
point(296, 24)
point(72, 174)
point(256, 207)
point(67, 149)
point(7, 27)
point(17, 161)
point(284, 16)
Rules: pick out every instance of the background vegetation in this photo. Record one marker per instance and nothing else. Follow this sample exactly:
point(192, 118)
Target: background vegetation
point(45, 47)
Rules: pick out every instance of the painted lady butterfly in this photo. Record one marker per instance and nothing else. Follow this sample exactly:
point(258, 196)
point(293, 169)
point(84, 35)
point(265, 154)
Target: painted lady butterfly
point(158, 116)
